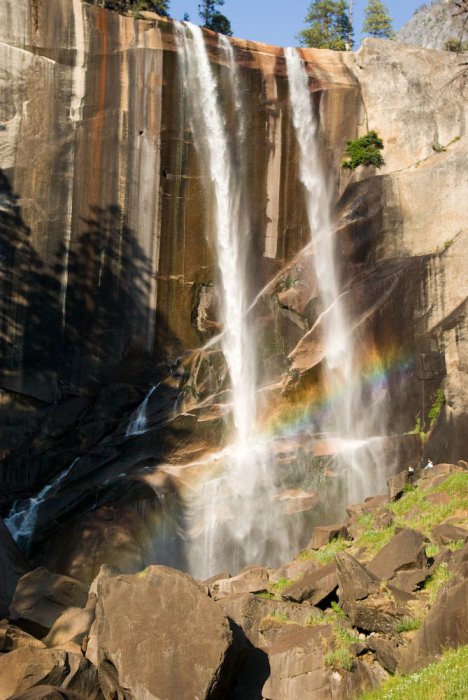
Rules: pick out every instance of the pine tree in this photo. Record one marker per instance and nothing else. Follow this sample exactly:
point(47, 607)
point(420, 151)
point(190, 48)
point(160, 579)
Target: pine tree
point(212, 18)
point(161, 7)
point(330, 26)
point(377, 21)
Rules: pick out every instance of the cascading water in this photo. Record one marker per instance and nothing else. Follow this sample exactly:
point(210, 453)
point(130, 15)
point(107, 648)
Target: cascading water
point(23, 516)
point(351, 425)
point(233, 516)
point(138, 422)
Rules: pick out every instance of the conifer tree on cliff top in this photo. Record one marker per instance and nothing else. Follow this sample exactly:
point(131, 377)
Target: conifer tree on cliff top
point(377, 21)
point(212, 18)
point(161, 7)
point(329, 26)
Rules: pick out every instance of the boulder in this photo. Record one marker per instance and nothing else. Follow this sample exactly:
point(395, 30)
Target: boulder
point(252, 613)
point(355, 581)
point(386, 651)
point(157, 634)
point(404, 551)
point(71, 627)
point(396, 484)
point(12, 637)
point(326, 533)
point(27, 667)
point(46, 692)
point(445, 627)
point(446, 533)
point(12, 566)
point(314, 587)
point(410, 580)
point(253, 580)
point(367, 606)
point(41, 597)
point(294, 570)
point(383, 519)
point(297, 666)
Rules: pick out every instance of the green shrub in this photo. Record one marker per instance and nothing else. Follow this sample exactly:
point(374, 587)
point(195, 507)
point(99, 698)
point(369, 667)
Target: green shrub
point(364, 151)
point(456, 45)
point(340, 659)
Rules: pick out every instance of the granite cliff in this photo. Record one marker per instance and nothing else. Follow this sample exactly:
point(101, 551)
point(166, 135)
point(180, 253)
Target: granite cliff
point(109, 278)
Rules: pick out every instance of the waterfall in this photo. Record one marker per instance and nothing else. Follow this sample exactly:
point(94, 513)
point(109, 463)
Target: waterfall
point(138, 422)
point(232, 515)
point(354, 421)
point(23, 516)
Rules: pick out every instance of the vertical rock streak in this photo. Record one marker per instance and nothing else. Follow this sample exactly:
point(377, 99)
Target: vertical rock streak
point(230, 512)
point(351, 422)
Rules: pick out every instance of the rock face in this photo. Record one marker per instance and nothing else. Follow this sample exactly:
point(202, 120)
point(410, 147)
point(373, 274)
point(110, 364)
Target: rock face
point(158, 635)
point(433, 24)
point(12, 566)
point(111, 277)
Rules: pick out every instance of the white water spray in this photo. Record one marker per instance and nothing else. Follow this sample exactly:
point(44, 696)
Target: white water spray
point(352, 424)
point(233, 513)
point(22, 519)
point(139, 421)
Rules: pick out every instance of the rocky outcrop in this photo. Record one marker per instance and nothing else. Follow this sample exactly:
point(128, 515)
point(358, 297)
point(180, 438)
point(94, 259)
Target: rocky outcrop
point(157, 634)
point(12, 566)
point(434, 24)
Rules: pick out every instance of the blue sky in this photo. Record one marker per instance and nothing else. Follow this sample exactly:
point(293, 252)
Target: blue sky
point(278, 21)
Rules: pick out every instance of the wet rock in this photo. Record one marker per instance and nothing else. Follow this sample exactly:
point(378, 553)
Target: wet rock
point(27, 667)
point(149, 624)
point(41, 597)
point(404, 551)
point(313, 587)
point(326, 533)
point(12, 566)
point(446, 533)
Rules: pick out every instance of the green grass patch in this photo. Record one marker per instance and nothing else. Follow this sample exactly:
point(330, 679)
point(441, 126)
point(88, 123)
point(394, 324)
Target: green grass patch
point(325, 554)
point(432, 550)
point(340, 659)
point(437, 580)
point(408, 624)
point(374, 540)
point(456, 546)
point(266, 594)
point(414, 510)
point(281, 584)
point(445, 680)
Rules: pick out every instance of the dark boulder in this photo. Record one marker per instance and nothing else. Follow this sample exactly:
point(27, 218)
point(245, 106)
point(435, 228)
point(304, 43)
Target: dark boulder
point(446, 533)
point(12, 566)
point(157, 634)
point(404, 551)
point(327, 533)
point(314, 587)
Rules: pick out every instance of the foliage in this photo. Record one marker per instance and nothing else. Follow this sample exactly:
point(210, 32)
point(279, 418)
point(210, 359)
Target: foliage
point(340, 659)
point(445, 680)
point(329, 26)
point(326, 553)
point(212, 18)
point(364, 151)
point(277, 617)
point(281, 584)
point(437, 580)
point(377, 21)
point(436, 407)
point(161, 7)
point(408, 624)
point(456, 45)
point(373, 540)
point(337, 610)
